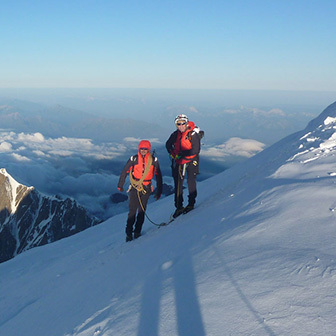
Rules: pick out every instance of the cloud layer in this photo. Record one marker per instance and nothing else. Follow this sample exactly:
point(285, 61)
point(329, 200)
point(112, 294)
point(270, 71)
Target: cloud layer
point(37, 144)
point(89, 171)
point(74, 167)
point(234, 147)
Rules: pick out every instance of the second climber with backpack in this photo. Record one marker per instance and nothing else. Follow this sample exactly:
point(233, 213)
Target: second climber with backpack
point(141, 169)
point(184, 146)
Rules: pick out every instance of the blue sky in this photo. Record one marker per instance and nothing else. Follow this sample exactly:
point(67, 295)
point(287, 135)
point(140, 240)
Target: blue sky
point(278, 45)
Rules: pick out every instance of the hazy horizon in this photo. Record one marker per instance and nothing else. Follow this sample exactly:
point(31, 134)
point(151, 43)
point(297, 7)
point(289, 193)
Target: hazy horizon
point(231, 96)
point(75, 142)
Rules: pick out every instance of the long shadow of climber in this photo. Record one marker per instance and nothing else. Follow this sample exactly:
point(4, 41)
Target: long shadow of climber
point(187, 313)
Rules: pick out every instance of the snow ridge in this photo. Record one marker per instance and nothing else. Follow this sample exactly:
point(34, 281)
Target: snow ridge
point(255, 257)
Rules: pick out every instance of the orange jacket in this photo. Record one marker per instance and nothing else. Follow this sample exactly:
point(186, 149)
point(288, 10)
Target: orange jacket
point(137, 165)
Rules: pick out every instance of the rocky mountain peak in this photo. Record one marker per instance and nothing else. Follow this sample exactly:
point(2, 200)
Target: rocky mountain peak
point(11, 192)
point(29, 219)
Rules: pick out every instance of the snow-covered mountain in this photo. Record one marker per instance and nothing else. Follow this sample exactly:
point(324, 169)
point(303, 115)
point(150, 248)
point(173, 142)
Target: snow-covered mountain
point(29, 219)
point(257, 256)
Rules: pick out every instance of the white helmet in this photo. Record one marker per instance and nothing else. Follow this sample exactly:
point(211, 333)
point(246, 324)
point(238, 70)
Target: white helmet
point(181, 117)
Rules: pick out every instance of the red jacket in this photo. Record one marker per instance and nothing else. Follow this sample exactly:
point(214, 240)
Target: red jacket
point(137, 165)
point(184, 147)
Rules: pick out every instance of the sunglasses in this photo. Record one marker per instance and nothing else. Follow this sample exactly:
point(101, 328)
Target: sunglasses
point(180, 123)
point(143, 148)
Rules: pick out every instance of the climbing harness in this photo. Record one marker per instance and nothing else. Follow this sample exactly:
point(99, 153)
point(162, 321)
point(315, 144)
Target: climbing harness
point(138, 186)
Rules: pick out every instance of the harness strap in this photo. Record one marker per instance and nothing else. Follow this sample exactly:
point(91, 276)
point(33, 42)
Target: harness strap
point(138, 184)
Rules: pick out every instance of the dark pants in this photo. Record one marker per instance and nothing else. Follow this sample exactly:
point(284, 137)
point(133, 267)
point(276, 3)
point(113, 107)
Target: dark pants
point(136, 214)
point(191, 171)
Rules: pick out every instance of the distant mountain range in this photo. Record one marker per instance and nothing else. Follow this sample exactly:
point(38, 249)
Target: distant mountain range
point(114, 119)
point(29, 219)
point(57, 120)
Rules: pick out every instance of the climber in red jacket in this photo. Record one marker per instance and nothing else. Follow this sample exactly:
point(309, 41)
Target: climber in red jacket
point(183, 146)
point(141, 169)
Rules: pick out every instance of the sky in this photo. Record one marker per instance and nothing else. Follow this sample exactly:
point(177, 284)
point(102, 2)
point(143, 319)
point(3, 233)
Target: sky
point(180, 44)
point(255, 257)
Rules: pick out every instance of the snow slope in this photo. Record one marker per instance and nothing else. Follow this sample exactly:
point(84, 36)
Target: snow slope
point(256, 257)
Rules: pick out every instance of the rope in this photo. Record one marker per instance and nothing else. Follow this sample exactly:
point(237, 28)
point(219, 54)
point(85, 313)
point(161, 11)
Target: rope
point(181, 170)
point(138, 185)
point(143, 209)
point(181, 173)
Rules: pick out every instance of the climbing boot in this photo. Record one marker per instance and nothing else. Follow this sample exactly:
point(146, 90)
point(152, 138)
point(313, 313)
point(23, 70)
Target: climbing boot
point(178, 212)
point(188, 208)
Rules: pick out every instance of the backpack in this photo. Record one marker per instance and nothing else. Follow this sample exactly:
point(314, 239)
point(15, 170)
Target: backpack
point(198, 131)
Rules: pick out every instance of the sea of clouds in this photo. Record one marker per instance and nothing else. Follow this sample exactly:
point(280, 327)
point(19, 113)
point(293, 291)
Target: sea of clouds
point(86, 170)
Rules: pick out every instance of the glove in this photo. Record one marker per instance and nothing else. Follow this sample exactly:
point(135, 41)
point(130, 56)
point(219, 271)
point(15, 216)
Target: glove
point(176, 157)
point(157, 196)
point(121, 189)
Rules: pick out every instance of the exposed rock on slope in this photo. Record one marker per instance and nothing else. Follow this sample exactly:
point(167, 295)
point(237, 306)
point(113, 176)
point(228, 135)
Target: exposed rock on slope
point(29, 219)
